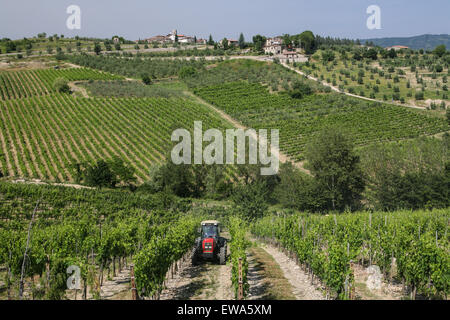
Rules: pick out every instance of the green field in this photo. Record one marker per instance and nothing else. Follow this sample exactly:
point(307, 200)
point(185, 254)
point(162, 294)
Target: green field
point(390, 79)
point(43, 133)
point(299, 119)
point(29, 83)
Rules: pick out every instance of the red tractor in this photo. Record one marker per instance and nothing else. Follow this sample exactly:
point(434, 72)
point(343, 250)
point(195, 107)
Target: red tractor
point(210, 245)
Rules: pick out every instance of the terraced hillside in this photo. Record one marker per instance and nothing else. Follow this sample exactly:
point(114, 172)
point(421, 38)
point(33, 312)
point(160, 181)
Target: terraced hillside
point(43, 133)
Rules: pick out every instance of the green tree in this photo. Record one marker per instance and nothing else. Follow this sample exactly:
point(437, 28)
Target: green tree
point(392, 54)
point(241, 41)
point(258, 42)
point(61, 85)
point(328, 55)
point(308, 42)
point(123, 173)
point(225, 43)
point(448, 115)
point(300, 89)
point(297, 190)
point(336, 169)
point(97, 48)
point(99, 175)
point(357, 55)
point(287, 42)
point(146, 79)
point(440, 50)
point(250, 200)
point(371, 54)
point(210, 41)
point(186, 72)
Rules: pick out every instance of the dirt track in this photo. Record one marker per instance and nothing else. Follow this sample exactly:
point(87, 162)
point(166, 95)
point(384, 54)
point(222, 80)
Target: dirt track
point(206, 281)
point(209, 281)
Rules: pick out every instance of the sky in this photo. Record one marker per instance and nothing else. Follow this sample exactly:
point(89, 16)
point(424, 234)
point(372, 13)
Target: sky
point(139, 19)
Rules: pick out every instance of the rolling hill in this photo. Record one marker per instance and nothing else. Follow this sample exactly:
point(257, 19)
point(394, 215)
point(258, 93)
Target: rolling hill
point(425, 41)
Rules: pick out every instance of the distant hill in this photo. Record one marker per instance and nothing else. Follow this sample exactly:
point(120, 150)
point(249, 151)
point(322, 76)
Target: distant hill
point(425, 41)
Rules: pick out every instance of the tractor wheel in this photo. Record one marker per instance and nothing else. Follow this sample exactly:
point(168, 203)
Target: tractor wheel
point(223, 255)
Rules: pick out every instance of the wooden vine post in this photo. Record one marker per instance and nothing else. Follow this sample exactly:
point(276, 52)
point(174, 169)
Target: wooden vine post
point(352, 284)
point(241, 289)
point(25, 255)
point(134, 295)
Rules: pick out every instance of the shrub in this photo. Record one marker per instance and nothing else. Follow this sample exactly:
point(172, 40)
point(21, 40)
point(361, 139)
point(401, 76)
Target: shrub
point(61, 85)
point(99, 175)
point(300, 89)
point(251, 200)
point(146, 79)
point(186, 72)
point(419, 95)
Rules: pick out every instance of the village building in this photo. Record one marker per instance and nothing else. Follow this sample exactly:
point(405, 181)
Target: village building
point(396, 48)
point(172, 37)
point(158, 38)
point(231, 42)
point(185, 39)
point(273, 46)
point(290, 54)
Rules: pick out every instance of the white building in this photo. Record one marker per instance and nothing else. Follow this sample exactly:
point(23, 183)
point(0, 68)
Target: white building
point(273, 46)
point(171, 37)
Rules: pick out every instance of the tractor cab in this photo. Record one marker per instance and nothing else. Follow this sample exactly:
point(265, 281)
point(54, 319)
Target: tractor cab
point(210, 229)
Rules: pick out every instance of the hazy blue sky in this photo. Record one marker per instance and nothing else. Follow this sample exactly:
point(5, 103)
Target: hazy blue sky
point(135, 19)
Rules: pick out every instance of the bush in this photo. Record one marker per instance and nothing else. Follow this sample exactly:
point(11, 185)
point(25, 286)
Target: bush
point(336, 169)
point(104, 173)
point(300, 89)
point(146, 79)
point(250, 200)
point(61, 85)
point(99, 175)
point(419, 95)
point(187, 71)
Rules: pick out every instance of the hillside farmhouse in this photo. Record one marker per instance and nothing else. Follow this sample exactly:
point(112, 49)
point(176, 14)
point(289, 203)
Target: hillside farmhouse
point(396, 48)
point(273, 46)
point(170, 38)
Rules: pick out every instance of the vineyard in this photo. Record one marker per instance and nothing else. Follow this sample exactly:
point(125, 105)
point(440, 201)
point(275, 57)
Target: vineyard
point(30, 83)
point(238, 247)
point(410, 247)
point(135, 67)
point(44, 133)
point(299, 119)
point(94, 230)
